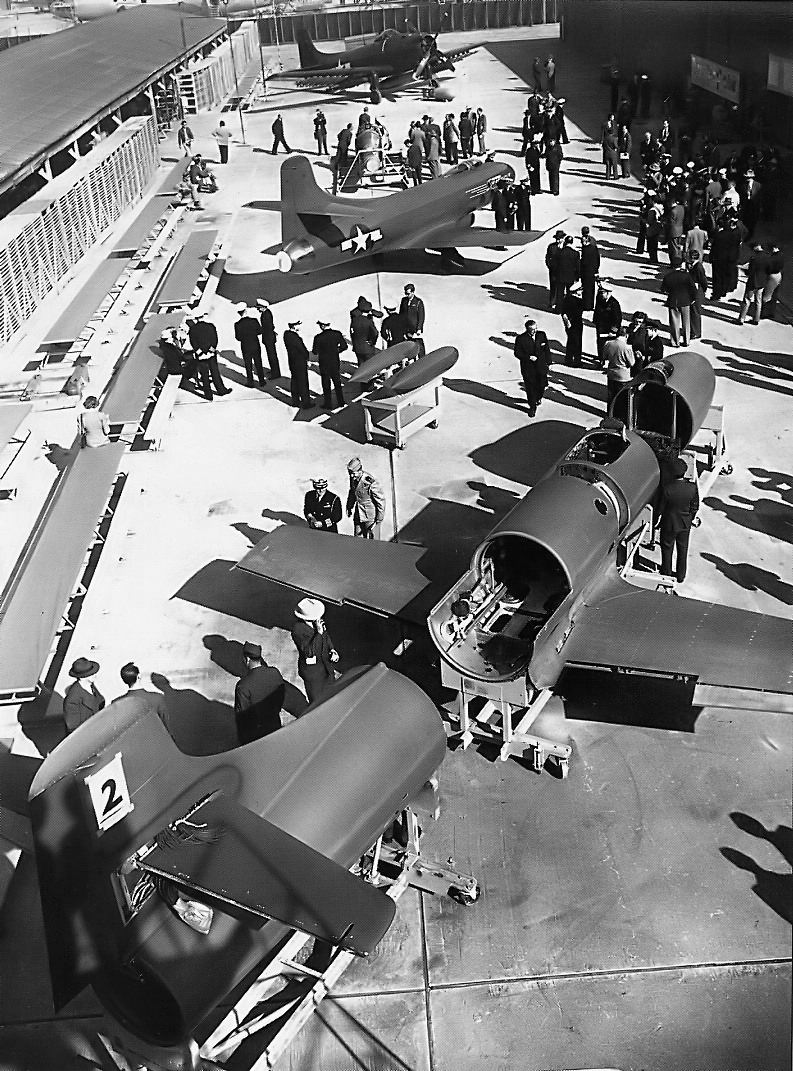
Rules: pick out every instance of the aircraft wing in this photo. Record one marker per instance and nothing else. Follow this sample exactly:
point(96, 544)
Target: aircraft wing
point(333, 76)
point(340, 569)
point(456, 54)
point(480, 237)
point(255, 871)
point(740, 658)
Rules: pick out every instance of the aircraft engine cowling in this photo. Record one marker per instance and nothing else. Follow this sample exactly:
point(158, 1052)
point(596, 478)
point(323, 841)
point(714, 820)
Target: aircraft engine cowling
point(294, 253)
point(543, 554)
point(668, 401)
point(333, 780)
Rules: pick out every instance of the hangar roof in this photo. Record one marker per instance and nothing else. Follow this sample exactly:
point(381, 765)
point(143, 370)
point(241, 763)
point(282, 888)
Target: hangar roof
point(56, 87)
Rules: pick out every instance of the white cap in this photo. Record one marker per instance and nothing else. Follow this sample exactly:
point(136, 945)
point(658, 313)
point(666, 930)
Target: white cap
point(310, 610)
point(241, 306)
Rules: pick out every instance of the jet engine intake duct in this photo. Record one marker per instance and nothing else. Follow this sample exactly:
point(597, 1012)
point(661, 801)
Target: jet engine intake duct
point(669, 399)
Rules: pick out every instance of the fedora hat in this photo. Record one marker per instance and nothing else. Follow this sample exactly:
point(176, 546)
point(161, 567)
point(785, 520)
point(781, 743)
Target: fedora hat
point(83, 667)
point(559, 234)
point(252, 650)
point(310, 610)
point(354, 464)
point(364, 304)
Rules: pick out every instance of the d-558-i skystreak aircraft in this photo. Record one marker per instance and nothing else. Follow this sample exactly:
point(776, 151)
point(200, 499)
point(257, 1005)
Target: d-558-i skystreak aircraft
point(319, 230)
point(392, 61)
point(545, 591)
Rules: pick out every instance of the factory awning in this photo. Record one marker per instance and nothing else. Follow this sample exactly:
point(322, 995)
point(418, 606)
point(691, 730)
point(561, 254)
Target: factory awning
point(56, 88)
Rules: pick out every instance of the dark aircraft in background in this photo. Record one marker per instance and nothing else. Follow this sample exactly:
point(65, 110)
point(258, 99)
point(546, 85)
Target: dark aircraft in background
point(319, 230)
point(392, 61)
point(544, 589)
point(88, 10)
point(129, 832)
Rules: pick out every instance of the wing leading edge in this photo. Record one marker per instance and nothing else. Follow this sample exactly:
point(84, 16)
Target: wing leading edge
point(255, 871)
point(739, 658)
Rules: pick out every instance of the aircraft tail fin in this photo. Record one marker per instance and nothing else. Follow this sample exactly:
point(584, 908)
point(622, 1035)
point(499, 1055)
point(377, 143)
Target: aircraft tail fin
point(307, 209)
point(309, 54)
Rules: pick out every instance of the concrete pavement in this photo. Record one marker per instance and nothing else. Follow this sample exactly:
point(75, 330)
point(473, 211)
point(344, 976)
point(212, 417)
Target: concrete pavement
point(613, 930)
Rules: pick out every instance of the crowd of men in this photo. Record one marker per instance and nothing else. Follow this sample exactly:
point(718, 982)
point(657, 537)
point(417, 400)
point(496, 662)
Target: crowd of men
point(191, 351)
point(702, 208)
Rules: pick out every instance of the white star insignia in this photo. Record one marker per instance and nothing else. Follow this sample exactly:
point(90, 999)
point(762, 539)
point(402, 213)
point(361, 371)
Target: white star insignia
point(359, 240)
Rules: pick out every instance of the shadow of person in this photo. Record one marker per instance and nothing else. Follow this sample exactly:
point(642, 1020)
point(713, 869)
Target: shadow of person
point(59, 456)
point(198, 725)
point(781, 837)
point(778, 483)
point(228, 654)
point(752, 578)
point(774, 889)
point(43, 731)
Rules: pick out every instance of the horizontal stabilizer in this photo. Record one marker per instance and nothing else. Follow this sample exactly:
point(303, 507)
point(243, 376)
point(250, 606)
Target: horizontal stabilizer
point(254, 871)
point(626, 627)
point(366, 573)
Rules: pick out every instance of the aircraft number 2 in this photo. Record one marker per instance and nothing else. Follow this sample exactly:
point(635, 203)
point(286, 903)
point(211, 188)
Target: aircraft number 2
point(109, 793)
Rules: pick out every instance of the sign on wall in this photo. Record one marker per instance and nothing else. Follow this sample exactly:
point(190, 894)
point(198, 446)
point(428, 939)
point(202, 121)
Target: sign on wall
point(723, 81)
point(780, 74)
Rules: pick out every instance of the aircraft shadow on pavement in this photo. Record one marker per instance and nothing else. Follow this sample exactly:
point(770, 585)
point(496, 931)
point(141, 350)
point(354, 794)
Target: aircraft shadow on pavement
point(526, 454)
point(264, 206)
point(651, 703)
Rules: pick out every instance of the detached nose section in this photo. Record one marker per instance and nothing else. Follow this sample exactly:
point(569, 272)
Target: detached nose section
point(297, 255)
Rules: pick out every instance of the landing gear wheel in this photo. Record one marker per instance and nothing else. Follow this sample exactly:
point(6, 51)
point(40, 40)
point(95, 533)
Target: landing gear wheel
point(376, 97)
point(726, 470)
point(433, 424)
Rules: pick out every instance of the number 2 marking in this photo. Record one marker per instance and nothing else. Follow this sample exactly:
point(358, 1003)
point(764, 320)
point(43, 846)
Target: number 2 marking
point(109, 792)
point(113, 798)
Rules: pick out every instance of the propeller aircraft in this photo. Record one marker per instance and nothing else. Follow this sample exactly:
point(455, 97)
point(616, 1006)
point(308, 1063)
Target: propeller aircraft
point(392, 61)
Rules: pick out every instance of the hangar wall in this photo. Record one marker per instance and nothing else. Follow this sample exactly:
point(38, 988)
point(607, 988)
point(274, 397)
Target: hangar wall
point(42, 240)
point(428, 18)
point(659, 38)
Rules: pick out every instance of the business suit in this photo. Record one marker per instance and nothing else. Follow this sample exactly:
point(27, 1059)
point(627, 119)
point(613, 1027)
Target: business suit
point(573, 318)
point(80, 704)
point(568, 268)
point(679, 505)
point(532, 159)
point(314, 664)
point(522, 207)
point(553, 164)
point(297, 356)
point(590, 266)
point(607, 320)
point(751, 203)
point(552, 264)
point(533, 354)
point(258, 700)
